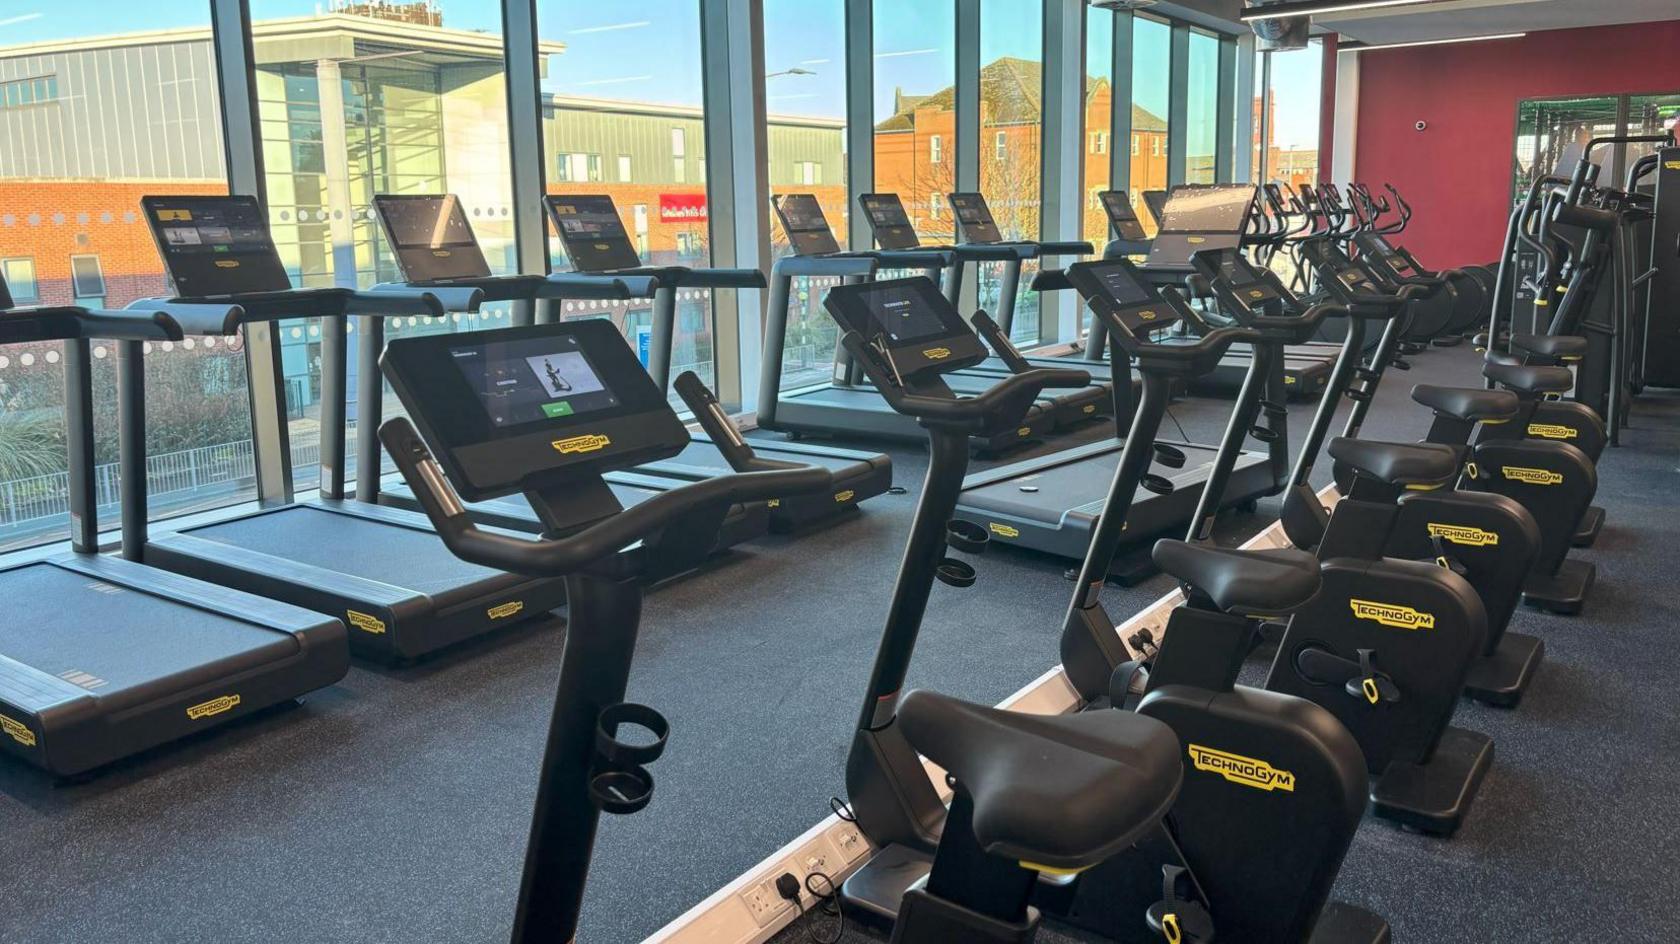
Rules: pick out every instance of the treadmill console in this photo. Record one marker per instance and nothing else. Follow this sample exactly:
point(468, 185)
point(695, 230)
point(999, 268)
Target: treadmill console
point(521, 408)
point(1349, 275)
point(1198, 218)
point(592, 232)
point(431, 237)
point(888, 221)
point(909, 322)
point(974, 218)
point(1119, 294)
point(215, 246)
point(1155, 201)
point(1122, 217)
point(807, 228)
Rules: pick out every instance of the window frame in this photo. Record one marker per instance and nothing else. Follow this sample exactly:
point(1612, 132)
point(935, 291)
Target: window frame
point(34, 294)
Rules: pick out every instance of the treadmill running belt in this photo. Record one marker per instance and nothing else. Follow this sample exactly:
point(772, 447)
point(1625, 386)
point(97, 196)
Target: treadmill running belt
point(402, 557)
point(1081, 486)
point(122, 643)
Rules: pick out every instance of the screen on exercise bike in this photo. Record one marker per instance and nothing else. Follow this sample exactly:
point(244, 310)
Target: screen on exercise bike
point(1230, 267)
point(909, 321)
point(1116, 291)
point(975, 217)
point(533, 379)
point(807, 228)
point(431, 237)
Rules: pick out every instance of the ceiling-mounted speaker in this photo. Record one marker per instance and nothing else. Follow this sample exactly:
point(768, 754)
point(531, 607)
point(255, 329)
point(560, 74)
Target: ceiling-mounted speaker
point(1282, 33)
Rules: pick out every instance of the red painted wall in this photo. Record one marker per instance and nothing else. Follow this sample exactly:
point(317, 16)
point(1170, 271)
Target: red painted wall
point(1457, 174)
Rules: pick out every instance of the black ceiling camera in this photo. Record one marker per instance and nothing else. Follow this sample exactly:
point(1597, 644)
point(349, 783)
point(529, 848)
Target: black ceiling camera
point(1280, 34)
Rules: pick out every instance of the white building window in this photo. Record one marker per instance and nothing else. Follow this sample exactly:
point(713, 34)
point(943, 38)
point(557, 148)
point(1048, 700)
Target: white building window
point(936, 150)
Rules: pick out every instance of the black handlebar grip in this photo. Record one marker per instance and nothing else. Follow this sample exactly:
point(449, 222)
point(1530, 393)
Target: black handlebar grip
point(999, 342)
point(708, 412)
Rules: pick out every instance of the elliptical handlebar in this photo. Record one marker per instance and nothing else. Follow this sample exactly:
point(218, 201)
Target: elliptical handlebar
point(560, 556)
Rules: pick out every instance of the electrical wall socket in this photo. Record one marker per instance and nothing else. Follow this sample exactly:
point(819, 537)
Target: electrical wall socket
point(849, 841)
point(762, 900)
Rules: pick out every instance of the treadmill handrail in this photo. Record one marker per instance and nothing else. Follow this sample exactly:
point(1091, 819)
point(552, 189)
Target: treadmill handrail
point(458, 294)
point(557, 557)
point(840, 265)
point(224, 316)
point(1022, 388)
point(88, 323)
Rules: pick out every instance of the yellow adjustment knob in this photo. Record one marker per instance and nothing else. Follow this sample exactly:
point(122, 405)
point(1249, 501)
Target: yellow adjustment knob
point(1371, 694)
point(1169, 924)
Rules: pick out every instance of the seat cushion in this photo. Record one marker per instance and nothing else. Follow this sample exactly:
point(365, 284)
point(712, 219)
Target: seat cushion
point(1529, 378)
point(1550, 345)
point(1061, 791)
point(1415, 465)
point(1468, 403)
point(1267, 581)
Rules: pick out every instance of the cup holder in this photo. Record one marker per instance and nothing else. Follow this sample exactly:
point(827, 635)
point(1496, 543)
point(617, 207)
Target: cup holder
point(1273, 408)
point(1170, 456)
point(1263, 434)
point(617, 751)
point(966, 536)
point(622, 791)
point(954, 573)
point(1157, 484)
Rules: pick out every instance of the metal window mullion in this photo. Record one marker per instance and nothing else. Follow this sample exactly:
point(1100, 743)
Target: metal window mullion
point(1062, 214)
point(523, 75)
point(1178, 105)
point(860, 115)
point(967, 150)
point(1243, 132)
point(1120, 148)
point(1224, 136)
point(737, 185)
point(241, 138)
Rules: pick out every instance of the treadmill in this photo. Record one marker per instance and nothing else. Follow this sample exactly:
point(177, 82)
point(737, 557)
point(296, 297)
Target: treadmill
point(1052, 503)
point(104, 657)
point(597, 244)
point(846, 403)
point(1215, 217)
point(1129, 242)
point(382, 570)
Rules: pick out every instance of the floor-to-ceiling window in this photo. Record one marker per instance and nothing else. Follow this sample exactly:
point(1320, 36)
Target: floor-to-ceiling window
point(1011, 142)
point(805, 97)
point(101, 103)
point(623, 116)
point(1151, 64)
point(1288, 110)
point(1201, 134)
point(1096, 156)
point(915, 110)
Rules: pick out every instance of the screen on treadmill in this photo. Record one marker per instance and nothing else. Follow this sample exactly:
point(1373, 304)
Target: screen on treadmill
point(532, 379)
point(1208, 209)
point(431, 237)
point(591, 231)
point(1122, 216)
point(888, 221)
point(215, 245)
point(1156, 202)
point(976, 218)
point(1243, 279)
point(806, 226)
point(6, 302)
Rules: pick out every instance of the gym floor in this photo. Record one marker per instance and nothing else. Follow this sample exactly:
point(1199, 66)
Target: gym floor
point(393, 807)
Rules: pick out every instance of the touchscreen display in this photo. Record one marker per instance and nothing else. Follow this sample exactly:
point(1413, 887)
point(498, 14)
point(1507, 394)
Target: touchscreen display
point(215, 245)
point(1122, 216)
point(532, 379)
point(1120, 285)
point(431, 236)
point(807, 228)
point(888, 221)
point(976, 218)
point(903, 311)
point(592, 232)
point(1208, 209)
point(1236, 271)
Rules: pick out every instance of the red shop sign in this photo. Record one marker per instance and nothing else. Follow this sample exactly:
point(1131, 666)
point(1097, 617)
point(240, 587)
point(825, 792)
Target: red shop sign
point(682, 208)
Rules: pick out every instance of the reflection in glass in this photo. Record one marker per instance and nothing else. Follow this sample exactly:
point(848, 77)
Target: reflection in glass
point(1201, 133)
point(1151, 59)
point(1011, 123)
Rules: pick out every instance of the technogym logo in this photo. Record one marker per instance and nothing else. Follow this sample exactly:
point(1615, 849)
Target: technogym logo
point(1004, 530)
point(589, 443)
point(937, 353)
point(17, 731)
point(505, 610)
point(1392, 615)
point(1552, 431)
point(1532, 476)
point(1463, 534)
point(213, 707)
point(1238, 769)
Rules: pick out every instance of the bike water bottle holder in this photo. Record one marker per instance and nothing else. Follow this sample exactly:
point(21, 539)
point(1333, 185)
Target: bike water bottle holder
point(966, 536)
point(1170, 456)
point(621, 784)
point(1156, 484)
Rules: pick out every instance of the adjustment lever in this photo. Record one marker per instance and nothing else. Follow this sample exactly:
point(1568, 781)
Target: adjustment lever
point(999, 343)
point(1373, 686)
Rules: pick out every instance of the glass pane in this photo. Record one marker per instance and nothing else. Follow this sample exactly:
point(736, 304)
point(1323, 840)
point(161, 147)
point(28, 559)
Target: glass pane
point(1011, 119)
point(1649, 114)
point(1202, 114)
point(1099, 120)
point(624, 79)
point(1291, 107)
point(104, 79)
point(1547, 127)
point(1151, 57)
point(915, 117)
point(805, 92)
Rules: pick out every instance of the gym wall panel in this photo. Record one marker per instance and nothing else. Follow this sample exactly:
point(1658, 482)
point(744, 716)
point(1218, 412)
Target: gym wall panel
point(1457, 172)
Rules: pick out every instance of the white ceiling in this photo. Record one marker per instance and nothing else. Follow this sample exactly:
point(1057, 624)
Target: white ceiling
point(1450, 19)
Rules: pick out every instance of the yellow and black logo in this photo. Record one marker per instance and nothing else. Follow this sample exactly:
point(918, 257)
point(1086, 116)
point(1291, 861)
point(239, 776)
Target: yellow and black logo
point(1552, 431)
point(1256, 293)
point(213, 707)
point(1532, 476)
point(366, 622)
point(1024, 432)
point(1672, 165)
point(442, 253)
point(563, 210)
point(505, 610)
point(1003, 530)
point(1195, 240)
point(840, 498)
point(1238, 769)
point(937, 353)
point(227, 263)
point(17, 731)
point(1088, 408)
point(590, 442)
point(1148, 314)
point(1463, 534)
point(1392, 615)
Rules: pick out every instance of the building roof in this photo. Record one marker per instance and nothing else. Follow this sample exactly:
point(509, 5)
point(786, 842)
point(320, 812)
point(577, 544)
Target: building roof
point(619, 106)
point(1011, 92)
